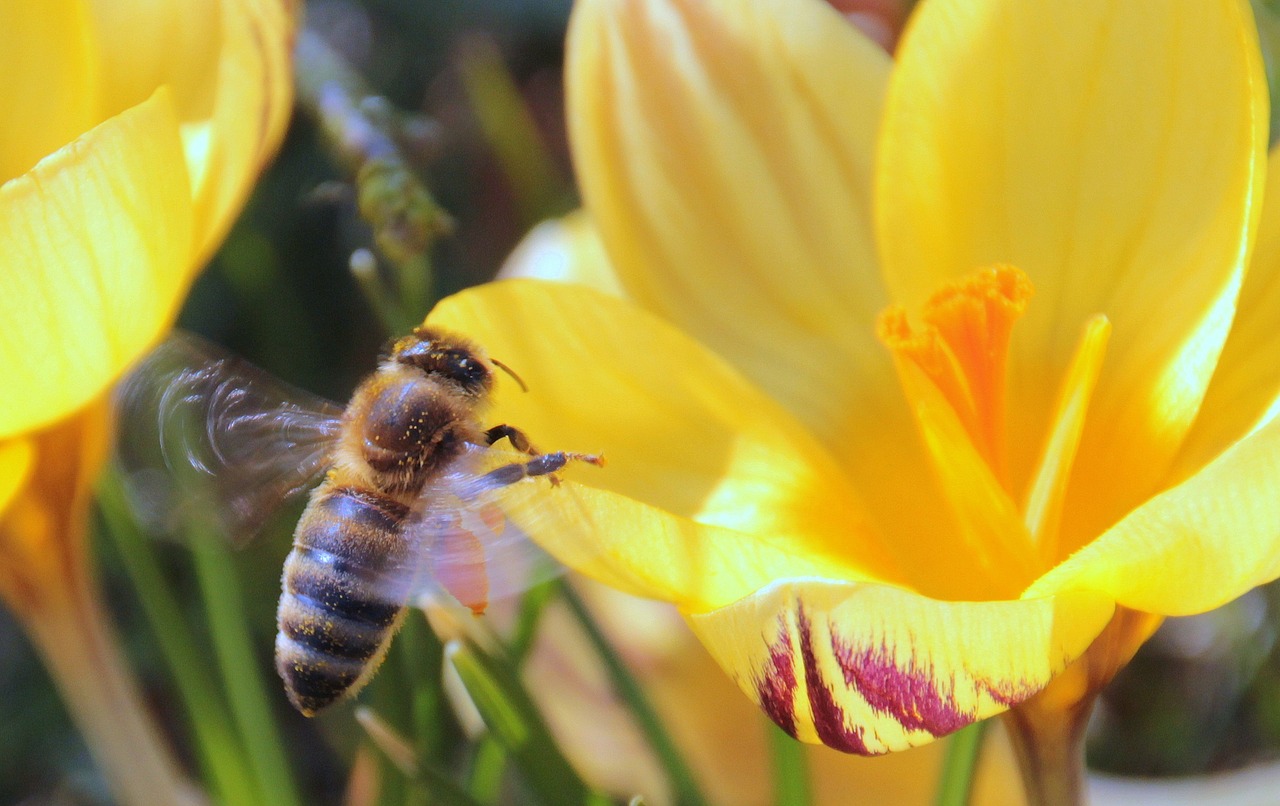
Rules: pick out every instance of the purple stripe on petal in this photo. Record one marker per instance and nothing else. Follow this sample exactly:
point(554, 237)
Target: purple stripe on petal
point(828, 717)
point(908, 696)
point(776, 688)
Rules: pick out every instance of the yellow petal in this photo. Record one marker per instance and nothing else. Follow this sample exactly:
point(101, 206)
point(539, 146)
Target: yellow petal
point(566, 250)
point(1113, 152)
point(724, 150)
point(50, 88)
point(228, 64)
point(16, 458)
point(143, 44)
point(250, 111)
point(1194, 547)
point(96, 242)
point(1246, 383)
point(870, 669)
point(679, 428)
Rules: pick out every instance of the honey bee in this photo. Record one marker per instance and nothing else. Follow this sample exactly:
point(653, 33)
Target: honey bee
point(416, 494)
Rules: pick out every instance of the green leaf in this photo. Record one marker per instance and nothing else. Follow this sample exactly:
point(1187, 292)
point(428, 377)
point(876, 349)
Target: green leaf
point(509, 713)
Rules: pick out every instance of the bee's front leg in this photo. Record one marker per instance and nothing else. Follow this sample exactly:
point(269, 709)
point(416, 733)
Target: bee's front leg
point(514, 435)
point(545, 464)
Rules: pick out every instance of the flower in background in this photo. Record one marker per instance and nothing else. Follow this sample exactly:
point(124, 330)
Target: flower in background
point(935, 383)
point(134, 133)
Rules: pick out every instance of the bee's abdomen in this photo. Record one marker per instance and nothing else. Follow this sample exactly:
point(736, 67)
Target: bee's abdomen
point(340, 604)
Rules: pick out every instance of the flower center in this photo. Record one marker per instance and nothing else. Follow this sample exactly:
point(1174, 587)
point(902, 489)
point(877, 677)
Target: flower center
point(963, 348)
point(953, 369)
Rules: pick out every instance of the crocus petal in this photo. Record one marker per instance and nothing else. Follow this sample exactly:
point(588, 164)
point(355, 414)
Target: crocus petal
point(680, 430)
point(1193, 547)
point(227, 62)
point(50, 83)
point(95, 238)
point(16, 457)
point(249, 114)
point(1246, 383)
point(566, 250)
point(870, 669)
point(1051, 136)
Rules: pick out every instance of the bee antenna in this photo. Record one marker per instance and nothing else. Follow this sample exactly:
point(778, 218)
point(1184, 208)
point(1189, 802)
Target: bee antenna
point(523, 386)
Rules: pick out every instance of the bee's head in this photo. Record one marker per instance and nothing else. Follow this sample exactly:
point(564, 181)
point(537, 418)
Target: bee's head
point(444, 356)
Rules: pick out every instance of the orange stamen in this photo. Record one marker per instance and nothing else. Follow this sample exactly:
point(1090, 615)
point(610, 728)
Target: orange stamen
point(963, 348)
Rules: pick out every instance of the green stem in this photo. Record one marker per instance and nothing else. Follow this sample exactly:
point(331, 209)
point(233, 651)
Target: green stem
point(488, 765)
point(683, 784)
point(240, 670)
point(955, 785)
point(220, 757)
point(790, 769)
point(79, 648)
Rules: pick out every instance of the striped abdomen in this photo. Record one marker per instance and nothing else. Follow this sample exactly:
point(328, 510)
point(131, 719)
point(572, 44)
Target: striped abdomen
point(340, 602)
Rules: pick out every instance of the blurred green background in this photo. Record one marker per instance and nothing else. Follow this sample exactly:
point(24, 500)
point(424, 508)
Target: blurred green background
point(1203, 696)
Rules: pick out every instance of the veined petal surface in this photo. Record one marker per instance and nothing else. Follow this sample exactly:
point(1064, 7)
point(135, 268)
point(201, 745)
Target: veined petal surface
point(870, 669)
point(95, 239)
point(1113, 152)
point(1246, 383)
point(227, 62)
point(725, 151)
point(1194, 547)
point(51, 80)
point(679, 428)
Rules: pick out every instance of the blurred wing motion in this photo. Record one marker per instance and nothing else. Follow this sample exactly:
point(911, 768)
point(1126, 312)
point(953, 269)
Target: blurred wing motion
point(205, 436)
point(471, 534)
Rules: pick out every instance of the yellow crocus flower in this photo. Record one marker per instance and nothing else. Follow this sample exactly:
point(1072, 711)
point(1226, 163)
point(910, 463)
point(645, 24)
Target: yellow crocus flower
point(134, 132)
point(932, 384)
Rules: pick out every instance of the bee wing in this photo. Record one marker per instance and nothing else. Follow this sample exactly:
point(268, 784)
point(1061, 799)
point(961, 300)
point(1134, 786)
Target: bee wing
point(470, 534)
point(206, 436)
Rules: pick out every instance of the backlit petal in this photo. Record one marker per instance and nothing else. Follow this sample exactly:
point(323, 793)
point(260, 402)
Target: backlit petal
point(566, 250)
point(724, 149)
point(50, 82)
point(96, 240)
point(679, 428)
point(1246, 383)
point(143, 44)
point(250, 111)
point(1191, 548)
point(227, 62)
point(1113, 152)
point(870, 669)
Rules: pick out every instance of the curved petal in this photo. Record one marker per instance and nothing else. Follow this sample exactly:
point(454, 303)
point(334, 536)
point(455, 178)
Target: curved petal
point(870, 669)
point(51, 83)
point(249, 114)
point(1191, 548)
point(1113, 151)
point(143, 44)
point(566, 250)
point(680, 429)
point(16, 459)
point(96, 242)
point(725, 152)
point(1246, 382)
point(228, 63)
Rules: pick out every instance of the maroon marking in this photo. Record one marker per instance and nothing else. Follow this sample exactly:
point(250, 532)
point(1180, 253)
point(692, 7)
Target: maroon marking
point(908, 696)
point(776, 688)
point(1010, 694)
point(828, 717)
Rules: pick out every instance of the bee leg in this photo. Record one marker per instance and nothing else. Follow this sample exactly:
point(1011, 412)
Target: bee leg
point(518, 439)
point(545, 464)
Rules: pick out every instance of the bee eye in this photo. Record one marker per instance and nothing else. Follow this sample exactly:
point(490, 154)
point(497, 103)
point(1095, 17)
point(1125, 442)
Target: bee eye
point(452, 363)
